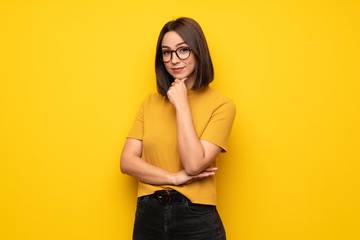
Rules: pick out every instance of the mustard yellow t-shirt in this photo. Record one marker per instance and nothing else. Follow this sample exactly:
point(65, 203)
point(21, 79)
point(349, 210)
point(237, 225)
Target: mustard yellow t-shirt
point(155, 124)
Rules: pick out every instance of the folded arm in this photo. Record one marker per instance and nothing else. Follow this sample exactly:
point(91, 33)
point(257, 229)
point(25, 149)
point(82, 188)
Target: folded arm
point(132, 164)
point(195, 154)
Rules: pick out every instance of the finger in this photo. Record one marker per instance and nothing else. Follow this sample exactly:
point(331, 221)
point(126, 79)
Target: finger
point(211, 169)
point(204, 175)
point(201, 176)
point(184, 79)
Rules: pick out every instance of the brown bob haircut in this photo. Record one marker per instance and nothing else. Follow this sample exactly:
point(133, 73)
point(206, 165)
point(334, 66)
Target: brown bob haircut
point(189, 30)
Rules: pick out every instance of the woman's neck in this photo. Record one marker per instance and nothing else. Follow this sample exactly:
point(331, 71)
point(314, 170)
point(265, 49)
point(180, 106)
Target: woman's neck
point(190, 82)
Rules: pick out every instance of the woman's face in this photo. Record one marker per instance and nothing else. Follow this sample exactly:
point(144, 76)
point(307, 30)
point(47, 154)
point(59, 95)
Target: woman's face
point(177, 67)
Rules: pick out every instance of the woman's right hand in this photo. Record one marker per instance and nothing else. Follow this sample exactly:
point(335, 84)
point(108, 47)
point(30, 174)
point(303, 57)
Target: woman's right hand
point(181, 177)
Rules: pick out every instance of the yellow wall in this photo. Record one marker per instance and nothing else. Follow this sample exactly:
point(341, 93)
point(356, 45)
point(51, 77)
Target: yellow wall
point(73, 74)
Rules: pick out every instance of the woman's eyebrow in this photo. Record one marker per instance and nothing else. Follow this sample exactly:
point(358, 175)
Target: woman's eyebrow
point(175, 45)
point(180, 43)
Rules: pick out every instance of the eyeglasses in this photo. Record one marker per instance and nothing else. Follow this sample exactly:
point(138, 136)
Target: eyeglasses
point(181, 52)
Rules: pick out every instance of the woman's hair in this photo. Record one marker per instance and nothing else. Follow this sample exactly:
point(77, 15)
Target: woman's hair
point(190, 31)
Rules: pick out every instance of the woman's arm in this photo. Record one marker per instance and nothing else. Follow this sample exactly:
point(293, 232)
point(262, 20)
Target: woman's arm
point(195, 154)
point(132, 164)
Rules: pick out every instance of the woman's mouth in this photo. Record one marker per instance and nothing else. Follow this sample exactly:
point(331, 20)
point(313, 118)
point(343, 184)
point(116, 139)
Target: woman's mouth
point(178, 69)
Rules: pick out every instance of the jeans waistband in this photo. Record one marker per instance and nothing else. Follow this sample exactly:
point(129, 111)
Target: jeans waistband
point(167, 196)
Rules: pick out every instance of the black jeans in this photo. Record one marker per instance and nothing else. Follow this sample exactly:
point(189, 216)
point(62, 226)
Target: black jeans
point(176, 220)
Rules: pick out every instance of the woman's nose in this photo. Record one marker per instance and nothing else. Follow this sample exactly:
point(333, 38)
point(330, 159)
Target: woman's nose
point(174, 58)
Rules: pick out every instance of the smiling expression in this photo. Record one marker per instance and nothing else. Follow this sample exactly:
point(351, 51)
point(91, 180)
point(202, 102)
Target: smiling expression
point(177, 67)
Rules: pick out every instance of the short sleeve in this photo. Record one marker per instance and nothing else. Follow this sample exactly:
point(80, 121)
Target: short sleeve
point(219, 126)
point(137, 129)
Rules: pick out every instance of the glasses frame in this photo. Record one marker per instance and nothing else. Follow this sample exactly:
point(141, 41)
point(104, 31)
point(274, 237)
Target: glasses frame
point(175, 51)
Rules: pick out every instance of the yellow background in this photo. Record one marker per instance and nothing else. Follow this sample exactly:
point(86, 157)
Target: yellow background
point(73, 74)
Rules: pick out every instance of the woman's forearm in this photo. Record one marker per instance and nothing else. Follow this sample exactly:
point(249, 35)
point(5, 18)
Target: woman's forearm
point(191, 151)
point(145, 172)
point(195, 154)
point(132, 164)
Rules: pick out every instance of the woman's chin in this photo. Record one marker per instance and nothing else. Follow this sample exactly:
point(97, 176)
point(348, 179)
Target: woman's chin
point(178, 76)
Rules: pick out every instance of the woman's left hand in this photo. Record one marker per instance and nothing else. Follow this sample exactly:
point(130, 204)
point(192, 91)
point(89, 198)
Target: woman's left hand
point(182, 178)
point(177, 92)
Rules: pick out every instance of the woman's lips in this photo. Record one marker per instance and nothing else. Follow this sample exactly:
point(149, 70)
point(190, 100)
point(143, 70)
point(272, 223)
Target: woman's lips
point(179, 69)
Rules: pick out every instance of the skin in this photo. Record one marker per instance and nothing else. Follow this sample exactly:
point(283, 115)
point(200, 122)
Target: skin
point(196, 155)
point(172, 41)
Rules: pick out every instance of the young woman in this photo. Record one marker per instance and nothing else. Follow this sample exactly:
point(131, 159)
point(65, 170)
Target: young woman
point(174, 141)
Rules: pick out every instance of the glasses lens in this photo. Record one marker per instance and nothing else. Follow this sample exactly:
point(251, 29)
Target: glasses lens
point(183, 53)
point(166, 55)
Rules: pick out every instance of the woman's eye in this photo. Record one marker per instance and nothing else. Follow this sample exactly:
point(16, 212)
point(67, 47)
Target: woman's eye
point(166, 52)
point(184, 50)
